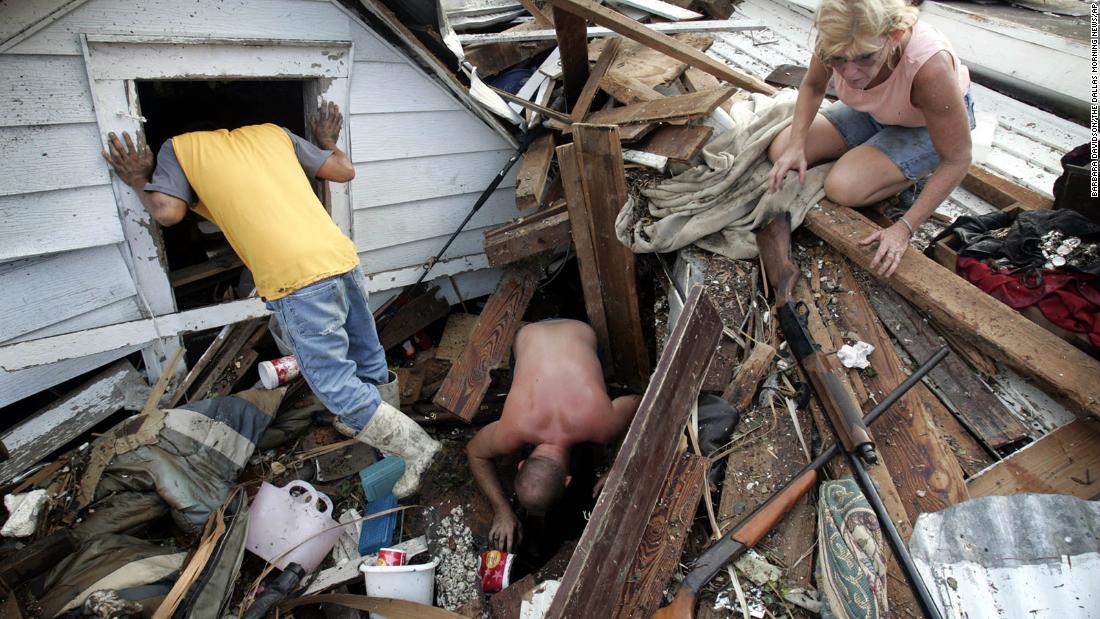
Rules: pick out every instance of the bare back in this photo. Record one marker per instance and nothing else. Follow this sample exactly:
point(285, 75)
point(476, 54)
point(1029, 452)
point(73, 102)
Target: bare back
point(558, 394)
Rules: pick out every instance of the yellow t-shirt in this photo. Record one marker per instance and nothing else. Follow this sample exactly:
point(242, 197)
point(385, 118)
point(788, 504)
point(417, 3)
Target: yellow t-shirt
point(249, 182)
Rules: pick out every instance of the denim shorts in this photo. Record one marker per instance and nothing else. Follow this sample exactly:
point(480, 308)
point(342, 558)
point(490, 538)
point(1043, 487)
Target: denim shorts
point(910, 148)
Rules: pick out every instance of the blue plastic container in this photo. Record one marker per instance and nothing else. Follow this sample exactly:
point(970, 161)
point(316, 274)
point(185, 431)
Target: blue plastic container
point(377, 533)
point(378, 479)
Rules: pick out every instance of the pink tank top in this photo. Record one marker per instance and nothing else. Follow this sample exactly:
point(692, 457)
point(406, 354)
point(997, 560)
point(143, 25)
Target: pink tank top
point(889, 102)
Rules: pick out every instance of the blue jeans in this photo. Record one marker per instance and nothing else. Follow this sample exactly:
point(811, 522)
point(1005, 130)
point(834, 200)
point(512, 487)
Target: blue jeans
point(910, 148)
point(329, 326)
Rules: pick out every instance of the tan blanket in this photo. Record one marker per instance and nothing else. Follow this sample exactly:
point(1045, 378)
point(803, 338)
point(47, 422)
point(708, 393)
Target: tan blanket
point(719, 204)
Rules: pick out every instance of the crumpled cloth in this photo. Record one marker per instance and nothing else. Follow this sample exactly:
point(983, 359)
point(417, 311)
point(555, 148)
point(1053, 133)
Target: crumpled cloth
point(719, 204)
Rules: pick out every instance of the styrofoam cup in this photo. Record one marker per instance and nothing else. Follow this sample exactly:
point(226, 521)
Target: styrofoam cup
point(278, 371)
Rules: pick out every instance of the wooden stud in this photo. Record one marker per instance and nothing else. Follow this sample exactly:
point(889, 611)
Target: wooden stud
point(603, 180)
point(592, 582)
point(573, 43)
point(534, 170)
point(1066, 461)
point(658, 555)
point(687, 106)
point(1066, 373)
point(592, 85)
point(741, 389)
point(539, 235)
point(581, 230)
point(627, 27)
point(469, 378)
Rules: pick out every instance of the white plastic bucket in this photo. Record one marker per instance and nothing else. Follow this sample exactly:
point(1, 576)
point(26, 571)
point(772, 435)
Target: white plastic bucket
point(414, 583)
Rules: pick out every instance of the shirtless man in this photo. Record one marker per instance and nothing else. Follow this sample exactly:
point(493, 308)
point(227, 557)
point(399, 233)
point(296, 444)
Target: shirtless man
point(557, 400)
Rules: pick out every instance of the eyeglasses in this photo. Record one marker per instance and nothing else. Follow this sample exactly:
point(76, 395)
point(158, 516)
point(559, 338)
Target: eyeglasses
point(864, 61)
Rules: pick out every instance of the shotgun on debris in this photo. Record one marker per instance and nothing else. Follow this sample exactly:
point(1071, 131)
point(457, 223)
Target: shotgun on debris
point(848, 422)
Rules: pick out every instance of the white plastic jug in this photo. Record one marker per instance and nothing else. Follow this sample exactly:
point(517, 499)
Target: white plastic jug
point(279, 521)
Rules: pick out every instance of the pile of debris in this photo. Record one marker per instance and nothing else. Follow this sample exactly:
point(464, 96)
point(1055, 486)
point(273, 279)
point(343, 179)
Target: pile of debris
point(153, 513)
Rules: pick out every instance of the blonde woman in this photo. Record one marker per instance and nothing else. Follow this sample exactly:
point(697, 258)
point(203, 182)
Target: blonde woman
point(904, 115)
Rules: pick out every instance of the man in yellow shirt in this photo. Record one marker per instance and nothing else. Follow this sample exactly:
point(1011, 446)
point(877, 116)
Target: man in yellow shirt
point(253, 182)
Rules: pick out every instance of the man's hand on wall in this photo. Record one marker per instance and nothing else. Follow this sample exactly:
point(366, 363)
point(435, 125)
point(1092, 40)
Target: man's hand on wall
point(326, 126)
point(133, 164)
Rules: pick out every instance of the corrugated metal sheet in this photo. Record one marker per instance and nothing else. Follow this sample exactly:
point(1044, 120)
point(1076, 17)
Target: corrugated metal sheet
point(1029, 556)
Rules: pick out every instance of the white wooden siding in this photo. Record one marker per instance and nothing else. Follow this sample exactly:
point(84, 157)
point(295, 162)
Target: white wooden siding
point(53, 157)
point(396, 87)
point(15, 386)
point(385, 226)
point(79, 281)
point(401, 135)
point(258, 19)
point(53, 221)
point(44, 90)
point(467, 243)
point(123, 310)
point(407, 180)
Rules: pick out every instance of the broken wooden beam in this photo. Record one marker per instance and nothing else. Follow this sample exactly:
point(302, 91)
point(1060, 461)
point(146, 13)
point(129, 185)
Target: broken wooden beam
point(573, 43)
point(533, 173)
point(592, 85)
point(679, 107)
point(117, 387)
point(603, 183)
point(743, 385)
point(533, 34)
point(955, 383)
point(580, 228)
point(679, 143)
point(1066, 373)
point(658, 556)
point(1066, 461)
point(595, 574)
point(534, 234)
point(490, 343)
point(419, 312)
point(662, 42)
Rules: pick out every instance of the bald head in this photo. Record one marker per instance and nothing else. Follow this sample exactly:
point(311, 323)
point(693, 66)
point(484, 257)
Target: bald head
point(540, 483)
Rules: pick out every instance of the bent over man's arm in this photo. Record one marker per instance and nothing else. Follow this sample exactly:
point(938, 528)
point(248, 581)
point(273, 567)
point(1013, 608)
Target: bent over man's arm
point(326, 131)
point(490, 442)
point(134, 165)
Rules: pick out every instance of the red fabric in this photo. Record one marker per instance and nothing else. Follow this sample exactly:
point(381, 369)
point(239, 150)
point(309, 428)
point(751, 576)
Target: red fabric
point(1069, 300)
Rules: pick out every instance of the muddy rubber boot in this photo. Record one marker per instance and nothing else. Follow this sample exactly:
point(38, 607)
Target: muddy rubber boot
point(392, 431)
point(391, 391)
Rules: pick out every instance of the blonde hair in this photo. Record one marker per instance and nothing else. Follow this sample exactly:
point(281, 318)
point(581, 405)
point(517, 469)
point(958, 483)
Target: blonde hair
point(859, 25)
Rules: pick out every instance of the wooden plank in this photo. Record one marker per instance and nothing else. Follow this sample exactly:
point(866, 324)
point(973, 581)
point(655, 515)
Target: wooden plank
point(1066, 373)
point(1066, 461)
point(533, 34)
point(542, 234)
point(225, 360)
point(534, 169)
point(696, 80)
point(381, 87)
point(493, 57)
point(43, 158)
point(743, 385)
point(658, 556)
point(43, 291)
point(418, 313)
point(647, 65)
point(405, 135)
point(678, 142)
point(57, 221)
point(969, 398)
point(1000, 191)
point(469, 378)
point(661, 9)
point(44, 90)
point(424, 178)
point(610, 540)
point(686, 106)
point(927, 474)
point(117, 387)
point(573, 43)
point(581, 230)
point(599, 155)
point(15, 386)
point(626, 89)
point(664, 43)
point(592, 85)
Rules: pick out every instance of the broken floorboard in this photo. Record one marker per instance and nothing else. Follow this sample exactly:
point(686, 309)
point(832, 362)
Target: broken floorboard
point(118, 387)
point(469, 378)
point(533, 173)
point(1066, 373)
point(420, 312)
point(596, 573)
point(1066, 461)
point(658, 555)
point(955, 383)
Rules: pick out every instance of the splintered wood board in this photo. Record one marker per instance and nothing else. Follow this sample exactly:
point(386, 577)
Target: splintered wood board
point(1066, 461)
point(691, 105)
point(636, 61)
point(681, 143)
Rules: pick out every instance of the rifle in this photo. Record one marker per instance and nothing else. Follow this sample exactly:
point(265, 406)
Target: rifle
point(850, 426)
